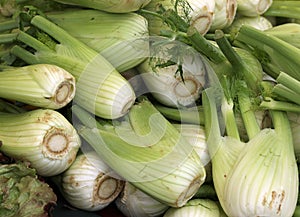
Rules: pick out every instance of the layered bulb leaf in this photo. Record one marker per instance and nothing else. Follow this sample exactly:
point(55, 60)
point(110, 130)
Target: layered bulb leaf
point(195, 207)
point(133, 202)
point(258, 22)
point(224, 14)
point(108, 6)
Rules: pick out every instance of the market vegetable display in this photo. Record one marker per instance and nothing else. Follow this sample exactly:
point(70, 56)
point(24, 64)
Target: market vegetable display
point(156, 108)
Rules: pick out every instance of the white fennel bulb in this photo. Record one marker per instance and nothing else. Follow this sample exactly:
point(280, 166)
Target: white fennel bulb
point(89, 184)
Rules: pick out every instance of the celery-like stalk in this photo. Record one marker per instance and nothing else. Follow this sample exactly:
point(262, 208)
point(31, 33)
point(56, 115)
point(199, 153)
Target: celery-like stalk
point(100, 87)
point(288, 32)
point(149, 152)
point(275, 54)
point(192, 115)
point(270, 103)
point(289, 9)
point(247, 68)
point(287, 87)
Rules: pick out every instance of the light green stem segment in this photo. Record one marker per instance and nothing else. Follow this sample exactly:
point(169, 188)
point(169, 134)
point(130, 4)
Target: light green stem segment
point(288, 9)
point(212, 126)
point(247, 112)
point(289, 82)
point(287, 87)
point(281, 55)
point(287, 93)
point(148, 151)
point(282, 126)
point(192, 115)
point(269, 103)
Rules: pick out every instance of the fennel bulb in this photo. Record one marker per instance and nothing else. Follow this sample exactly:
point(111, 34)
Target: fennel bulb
point(258, 22)
point(89, 184)
point(41, 85)
point(173, 75)
point(195, 134)
point(43, 137)
point(252, 8)
point(257, 178)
